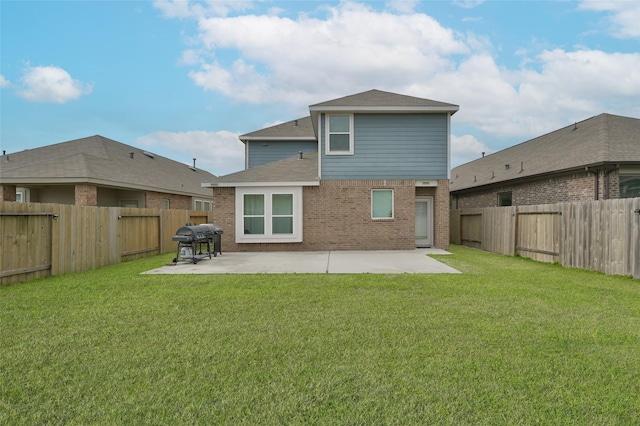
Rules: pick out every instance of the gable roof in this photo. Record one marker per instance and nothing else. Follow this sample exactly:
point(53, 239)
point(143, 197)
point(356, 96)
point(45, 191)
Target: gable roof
point(597, 141)
point(300, 129)
point(105, 162)
point(378, 101)
point(293, 170)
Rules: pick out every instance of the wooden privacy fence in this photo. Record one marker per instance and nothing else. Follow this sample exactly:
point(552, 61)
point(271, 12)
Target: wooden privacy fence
point(595, 235)
point(39, 240)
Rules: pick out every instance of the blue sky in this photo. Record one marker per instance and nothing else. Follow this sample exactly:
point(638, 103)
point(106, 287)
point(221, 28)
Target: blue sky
point(183, 79)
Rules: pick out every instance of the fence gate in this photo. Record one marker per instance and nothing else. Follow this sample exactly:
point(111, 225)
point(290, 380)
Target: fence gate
point(25, 246)
point(538, 235)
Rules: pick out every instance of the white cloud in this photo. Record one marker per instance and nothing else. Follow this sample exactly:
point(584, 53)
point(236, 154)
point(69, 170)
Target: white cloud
point(219, 153)
point(340, 49)
point(623, 17)
point(285, 60)
point(468, 4)
point(4, 82)
point(466, 148)
point(51, 84)
point(402, 6)
point(186, 9)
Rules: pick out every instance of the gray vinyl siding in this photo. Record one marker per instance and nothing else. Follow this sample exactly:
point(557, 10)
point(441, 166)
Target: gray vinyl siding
point(392, 146)
point(264, 152)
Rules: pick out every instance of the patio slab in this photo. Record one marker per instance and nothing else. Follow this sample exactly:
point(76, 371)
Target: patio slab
point(332, 262)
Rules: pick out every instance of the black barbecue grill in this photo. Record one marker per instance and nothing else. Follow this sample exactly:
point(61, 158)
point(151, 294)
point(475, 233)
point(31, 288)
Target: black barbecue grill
point(196, 242)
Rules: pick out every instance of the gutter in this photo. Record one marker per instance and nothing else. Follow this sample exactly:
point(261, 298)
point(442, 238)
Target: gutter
point(599, 166)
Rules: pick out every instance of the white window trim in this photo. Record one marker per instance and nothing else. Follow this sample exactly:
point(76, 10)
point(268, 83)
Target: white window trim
point(268, 236)
point(327, 151)
point(393, 204)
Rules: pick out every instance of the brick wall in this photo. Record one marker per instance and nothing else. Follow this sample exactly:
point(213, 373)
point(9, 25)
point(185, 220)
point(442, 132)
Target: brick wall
point(86, 195)
point(337, 216)
point(549, 190)
point(7, 193)
point(155, 200)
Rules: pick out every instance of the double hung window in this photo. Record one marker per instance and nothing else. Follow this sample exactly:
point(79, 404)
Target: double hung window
point(339, 130)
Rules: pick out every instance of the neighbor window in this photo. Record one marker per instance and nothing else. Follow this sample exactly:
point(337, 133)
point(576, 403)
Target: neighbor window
point(339, 134)
point(382, 204)
point(197, 204)
point(504, 199)
point(629, 183)
point(269, 215)
point(165, 203)
point(19, 197)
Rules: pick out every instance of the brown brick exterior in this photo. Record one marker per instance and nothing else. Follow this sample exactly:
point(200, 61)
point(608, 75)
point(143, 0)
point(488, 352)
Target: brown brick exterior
point(7, 193)
point(337, 216)
point(155, 200)
point(579, 186)
point(86, 195)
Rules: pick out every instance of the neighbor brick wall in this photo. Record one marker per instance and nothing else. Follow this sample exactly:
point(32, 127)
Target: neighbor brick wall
point(86, 195)
point(549, 190)
point(7, 193)
point(337, 216)
point(155, 200)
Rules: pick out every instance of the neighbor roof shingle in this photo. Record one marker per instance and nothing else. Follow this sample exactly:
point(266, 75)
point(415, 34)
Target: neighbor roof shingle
point(601, 139)
point(102, 161)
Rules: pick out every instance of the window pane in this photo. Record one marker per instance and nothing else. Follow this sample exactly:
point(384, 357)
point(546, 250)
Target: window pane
point(339, 143)
point(282, 204)
point(382, 203)
point(253, 204)
point(629, 186)
point(253, 225)
point(282, 225)
point(338, 123)
point(198, 205)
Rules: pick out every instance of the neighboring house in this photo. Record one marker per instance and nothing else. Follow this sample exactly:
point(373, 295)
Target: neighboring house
point(97, 171)
point(595, 159)
point(366, 171)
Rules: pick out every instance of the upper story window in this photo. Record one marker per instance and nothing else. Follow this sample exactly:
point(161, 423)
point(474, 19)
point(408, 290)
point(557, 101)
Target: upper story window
point(339, 130)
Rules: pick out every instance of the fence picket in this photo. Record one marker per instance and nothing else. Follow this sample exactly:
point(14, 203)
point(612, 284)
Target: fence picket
point(595, 235)
point(69, 238)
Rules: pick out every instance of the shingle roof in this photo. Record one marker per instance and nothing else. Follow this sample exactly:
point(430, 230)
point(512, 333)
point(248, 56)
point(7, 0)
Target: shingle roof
point(291, 169)
point(598, 140)
point(379, 98)
point(294, 129)
point(102, 161)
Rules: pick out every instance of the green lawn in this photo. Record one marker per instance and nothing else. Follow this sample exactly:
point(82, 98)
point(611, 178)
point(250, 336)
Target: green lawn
point(510, 342)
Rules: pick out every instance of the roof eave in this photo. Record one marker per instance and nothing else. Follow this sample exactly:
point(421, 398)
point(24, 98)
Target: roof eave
point(276, 138)
point(391, 109)
point(261, 184)
point(603, 165)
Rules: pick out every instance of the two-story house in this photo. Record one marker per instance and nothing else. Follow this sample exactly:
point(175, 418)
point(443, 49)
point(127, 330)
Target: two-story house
point(366, 171)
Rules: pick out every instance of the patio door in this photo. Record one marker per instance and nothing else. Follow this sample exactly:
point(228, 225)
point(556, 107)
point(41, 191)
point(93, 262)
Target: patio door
point(424, 221)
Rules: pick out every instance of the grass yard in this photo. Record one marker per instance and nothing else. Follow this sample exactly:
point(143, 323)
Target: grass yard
point(510, 342)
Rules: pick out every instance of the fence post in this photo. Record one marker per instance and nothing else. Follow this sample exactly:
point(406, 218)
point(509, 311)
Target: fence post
point(635, 267)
